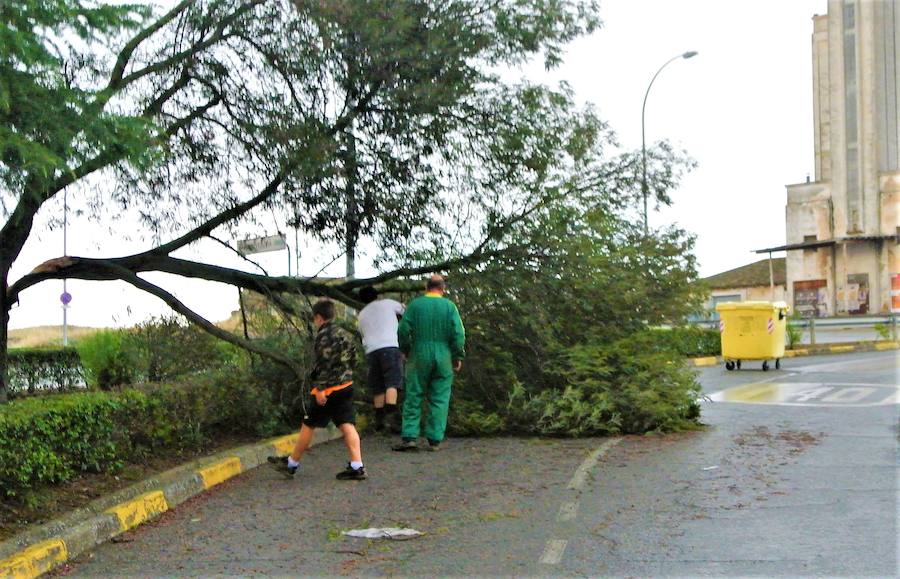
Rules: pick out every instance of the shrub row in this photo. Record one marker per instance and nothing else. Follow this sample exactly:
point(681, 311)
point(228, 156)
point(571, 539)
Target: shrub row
point(33, 370)
point(52, 439)
point(688, 341)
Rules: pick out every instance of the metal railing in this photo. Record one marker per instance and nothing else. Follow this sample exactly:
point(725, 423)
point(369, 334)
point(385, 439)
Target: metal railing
point(809, 325)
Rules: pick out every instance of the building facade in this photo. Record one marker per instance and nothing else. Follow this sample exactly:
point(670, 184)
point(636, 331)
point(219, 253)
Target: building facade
point(760, 281)
point(843, 227)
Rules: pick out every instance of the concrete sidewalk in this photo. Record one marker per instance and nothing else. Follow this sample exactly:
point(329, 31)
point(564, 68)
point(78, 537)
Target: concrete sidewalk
point(40, 549)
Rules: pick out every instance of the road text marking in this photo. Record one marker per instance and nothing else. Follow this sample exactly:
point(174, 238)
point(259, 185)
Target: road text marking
point(811, 394)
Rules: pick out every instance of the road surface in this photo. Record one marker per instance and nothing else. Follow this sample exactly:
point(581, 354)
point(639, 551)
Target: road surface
point(796, 475)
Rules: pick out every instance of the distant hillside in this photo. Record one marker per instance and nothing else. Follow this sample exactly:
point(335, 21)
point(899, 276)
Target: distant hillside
point(46, 336)
point(43, 336)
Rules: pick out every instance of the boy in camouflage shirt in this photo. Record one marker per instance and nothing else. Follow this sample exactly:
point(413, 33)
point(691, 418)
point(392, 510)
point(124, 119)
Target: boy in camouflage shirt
point(332, 380)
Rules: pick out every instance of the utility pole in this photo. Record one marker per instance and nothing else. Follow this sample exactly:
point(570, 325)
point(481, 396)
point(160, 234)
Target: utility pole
point(66, 297)
point(351, 216)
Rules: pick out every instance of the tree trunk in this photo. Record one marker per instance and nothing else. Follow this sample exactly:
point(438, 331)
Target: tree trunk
point(4, 324)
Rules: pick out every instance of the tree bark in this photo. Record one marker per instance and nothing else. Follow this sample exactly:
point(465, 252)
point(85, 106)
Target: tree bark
point(4, 333)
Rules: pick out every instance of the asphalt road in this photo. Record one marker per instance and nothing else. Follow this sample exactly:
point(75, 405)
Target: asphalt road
point(795, 476)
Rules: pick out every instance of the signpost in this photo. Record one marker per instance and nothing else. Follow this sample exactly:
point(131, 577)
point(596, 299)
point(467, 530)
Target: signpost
point(264, 245)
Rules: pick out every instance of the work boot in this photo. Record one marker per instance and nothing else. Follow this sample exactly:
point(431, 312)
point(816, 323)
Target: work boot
point(351, 473)
point(280, 464)
point(433, 446)
point(393, 421)
point(406, 446)
point(379, 421)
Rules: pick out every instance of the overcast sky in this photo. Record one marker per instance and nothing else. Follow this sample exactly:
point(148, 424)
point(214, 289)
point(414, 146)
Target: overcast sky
point(742, 108)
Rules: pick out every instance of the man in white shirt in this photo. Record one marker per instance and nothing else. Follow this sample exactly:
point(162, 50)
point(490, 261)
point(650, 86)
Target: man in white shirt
point(378, 326)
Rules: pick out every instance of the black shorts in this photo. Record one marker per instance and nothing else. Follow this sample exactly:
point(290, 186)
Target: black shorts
point(338, 409)
point(385, 369)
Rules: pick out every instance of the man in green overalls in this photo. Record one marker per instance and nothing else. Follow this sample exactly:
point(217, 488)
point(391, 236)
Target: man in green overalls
point(433, 339)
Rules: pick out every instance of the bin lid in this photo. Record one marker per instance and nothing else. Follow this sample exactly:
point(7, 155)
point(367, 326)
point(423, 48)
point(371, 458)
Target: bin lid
point(731, 306)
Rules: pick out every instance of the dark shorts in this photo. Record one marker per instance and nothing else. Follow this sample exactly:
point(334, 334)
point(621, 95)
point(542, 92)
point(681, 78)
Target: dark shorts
point(385, 369)
point(338, 409)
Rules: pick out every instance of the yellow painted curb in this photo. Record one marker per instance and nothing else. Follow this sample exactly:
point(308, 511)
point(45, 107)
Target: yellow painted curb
point(887, 346)
point(795, 353)
point(285, 444)
point(136, 511)
point(838, 349)
point(220, 472)
point(34, 561)
point(707, 361)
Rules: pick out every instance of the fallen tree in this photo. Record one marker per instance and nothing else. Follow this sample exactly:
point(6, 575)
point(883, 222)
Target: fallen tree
point(379, 118)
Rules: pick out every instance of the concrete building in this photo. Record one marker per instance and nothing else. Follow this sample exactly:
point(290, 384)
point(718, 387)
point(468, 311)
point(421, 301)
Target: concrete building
point(843, 227)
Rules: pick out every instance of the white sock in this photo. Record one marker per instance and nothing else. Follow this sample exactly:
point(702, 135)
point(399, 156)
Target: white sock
point(356, 464)
point(293, 463)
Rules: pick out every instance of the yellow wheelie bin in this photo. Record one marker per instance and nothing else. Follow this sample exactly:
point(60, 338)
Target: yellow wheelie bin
point(752, 331)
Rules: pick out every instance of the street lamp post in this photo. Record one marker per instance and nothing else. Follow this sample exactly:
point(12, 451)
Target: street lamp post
point(644, 189)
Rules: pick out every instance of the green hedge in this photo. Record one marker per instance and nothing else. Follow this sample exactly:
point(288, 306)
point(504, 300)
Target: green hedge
point(51, 439)
point(33, 370)
point(688, 341)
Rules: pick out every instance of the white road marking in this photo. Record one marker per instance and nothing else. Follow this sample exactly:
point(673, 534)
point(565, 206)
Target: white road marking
point(839, 394)
point(553, 552)
point(580, 476)
point(849, 395)
point(567, 512)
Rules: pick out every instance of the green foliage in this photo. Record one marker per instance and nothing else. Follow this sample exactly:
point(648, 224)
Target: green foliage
point(794, 334)
point(51, 439)
point(558, 342)
point(34, 370)
point(47, 116)
point(168, 347)
point(688, 341)
point(883, 331)
point(105, 359)
point(468, 419)
point(619, 388)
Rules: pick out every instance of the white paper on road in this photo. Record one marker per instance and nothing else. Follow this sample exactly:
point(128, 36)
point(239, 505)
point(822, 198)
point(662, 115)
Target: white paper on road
point(383, 533)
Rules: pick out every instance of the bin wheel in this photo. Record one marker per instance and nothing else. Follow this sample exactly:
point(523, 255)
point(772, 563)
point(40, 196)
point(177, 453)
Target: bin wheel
point(778, 364)
point(765, 366)
point(738, 364)
point(729, 365)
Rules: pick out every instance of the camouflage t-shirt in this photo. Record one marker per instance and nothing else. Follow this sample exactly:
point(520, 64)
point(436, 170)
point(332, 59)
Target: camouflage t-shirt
point(335, 351)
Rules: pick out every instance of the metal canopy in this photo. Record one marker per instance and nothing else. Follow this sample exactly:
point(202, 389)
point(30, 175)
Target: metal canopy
point(827, 242)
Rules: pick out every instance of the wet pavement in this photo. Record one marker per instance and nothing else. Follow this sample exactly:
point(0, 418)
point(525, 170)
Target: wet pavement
point(795, 476)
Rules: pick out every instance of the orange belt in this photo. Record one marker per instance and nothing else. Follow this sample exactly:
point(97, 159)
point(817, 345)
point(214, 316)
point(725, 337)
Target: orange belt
point(328, 391)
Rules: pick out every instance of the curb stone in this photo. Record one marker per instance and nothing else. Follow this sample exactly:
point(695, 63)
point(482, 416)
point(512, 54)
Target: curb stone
point(810, 351)
point(40, 549)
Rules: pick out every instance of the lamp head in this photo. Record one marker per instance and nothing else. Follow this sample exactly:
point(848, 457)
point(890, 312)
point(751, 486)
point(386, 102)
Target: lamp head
point(690, 54)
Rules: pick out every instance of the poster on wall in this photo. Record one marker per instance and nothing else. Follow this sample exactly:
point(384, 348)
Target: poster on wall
point(811, 298)
point(858, 293)
point(895, 293)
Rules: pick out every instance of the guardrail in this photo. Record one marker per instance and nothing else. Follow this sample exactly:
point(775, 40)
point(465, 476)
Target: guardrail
point(810, 324)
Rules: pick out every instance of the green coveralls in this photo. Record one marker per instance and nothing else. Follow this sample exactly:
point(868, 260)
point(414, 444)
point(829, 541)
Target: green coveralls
point(432, 336)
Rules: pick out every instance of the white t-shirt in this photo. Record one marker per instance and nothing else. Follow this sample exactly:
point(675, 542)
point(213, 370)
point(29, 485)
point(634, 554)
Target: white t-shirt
point(378, 324)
